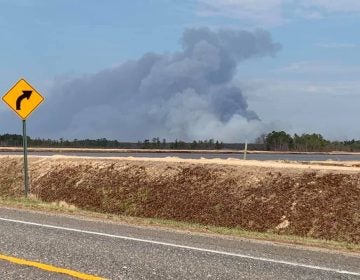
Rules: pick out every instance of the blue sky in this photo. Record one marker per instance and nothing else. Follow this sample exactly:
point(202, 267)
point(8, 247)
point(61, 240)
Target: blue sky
point(311, 85)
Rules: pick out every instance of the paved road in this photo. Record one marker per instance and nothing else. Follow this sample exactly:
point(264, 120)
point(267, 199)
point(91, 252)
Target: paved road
point(117, 251)
point(293, 157)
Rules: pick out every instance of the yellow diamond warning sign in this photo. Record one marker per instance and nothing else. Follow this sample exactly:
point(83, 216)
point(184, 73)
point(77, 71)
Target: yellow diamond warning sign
point(23, 99)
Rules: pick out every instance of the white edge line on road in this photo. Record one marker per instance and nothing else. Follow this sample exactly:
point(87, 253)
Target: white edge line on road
point(186, 247)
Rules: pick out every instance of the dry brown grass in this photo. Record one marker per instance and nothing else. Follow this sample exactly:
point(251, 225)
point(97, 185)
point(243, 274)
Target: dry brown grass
point(10, 177)
point(314, 203)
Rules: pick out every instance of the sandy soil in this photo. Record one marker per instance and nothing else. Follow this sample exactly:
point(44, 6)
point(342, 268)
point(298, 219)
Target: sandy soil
point(320, 200)
point(335, 166)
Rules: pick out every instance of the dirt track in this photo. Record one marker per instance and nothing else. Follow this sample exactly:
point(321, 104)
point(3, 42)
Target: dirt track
point(312, 200)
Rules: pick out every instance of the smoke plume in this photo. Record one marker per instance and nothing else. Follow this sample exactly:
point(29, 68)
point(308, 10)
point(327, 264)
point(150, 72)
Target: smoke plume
point(186, 95)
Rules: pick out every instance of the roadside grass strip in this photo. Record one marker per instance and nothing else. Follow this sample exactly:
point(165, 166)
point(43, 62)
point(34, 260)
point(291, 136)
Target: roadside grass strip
point(49, 268)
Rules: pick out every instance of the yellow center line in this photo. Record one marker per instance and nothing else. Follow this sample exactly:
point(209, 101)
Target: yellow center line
point(50, 268)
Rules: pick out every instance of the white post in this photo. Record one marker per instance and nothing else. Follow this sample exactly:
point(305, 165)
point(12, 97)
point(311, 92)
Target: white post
point(245, 150)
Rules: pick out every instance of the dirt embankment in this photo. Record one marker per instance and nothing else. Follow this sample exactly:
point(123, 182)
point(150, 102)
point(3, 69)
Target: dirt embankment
point(314, 201)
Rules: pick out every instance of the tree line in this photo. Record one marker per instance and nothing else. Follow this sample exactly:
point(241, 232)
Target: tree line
point(282, 141)
point(14, 140)
point(274, 141)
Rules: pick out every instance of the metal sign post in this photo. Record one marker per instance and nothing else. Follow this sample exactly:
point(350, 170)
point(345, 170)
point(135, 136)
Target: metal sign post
point(26, 172)
point(23, 99)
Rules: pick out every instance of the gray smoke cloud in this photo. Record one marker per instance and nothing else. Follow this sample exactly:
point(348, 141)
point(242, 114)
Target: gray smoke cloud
point(186, 95)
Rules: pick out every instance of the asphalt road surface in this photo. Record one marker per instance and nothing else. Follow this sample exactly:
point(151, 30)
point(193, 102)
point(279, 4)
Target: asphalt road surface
point(114, 251)
point(293, 157)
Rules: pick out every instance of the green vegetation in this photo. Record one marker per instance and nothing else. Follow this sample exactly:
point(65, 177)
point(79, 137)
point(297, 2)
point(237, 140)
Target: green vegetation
point(278, 141)
point(274, 141)
point(281, 141)
point(14, 140)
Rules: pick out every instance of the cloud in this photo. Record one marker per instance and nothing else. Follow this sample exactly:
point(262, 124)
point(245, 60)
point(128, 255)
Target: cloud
point(337, 45)
point(259, 12)
point(314, 67)
point(308, 14)
point(275, 12)
point(333, 6)
point(187, 95)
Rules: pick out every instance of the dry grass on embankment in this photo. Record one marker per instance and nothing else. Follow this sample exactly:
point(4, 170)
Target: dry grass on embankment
point(287, 198)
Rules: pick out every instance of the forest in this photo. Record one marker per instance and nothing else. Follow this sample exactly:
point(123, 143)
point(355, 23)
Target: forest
point(273, 141)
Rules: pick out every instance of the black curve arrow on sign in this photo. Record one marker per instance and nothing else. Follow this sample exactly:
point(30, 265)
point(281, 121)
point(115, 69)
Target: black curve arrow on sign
point(26, 94)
